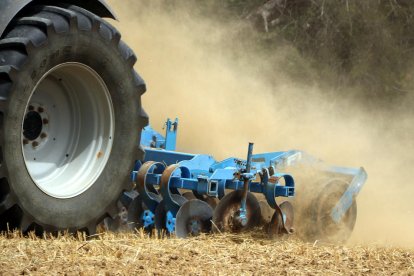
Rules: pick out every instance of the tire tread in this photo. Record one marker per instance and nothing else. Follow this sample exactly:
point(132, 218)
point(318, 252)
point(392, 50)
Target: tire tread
point(33, 31)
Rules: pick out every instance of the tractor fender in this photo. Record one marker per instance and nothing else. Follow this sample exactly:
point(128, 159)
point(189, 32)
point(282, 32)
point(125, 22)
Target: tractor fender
point(10, 8)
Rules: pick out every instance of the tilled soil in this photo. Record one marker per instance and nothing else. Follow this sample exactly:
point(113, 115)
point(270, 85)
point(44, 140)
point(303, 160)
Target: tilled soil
point(125, 254)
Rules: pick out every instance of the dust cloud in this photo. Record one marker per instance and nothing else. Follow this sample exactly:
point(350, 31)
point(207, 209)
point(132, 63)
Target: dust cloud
point(224, 102)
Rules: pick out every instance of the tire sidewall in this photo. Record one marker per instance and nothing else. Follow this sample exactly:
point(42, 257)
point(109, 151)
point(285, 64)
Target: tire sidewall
point(91, 49)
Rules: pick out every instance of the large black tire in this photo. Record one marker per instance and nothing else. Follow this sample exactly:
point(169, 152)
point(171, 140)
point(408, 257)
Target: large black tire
point(40, 39)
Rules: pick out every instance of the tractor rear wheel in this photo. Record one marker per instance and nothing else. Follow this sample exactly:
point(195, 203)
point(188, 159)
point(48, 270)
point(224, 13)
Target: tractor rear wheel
point(70, 120)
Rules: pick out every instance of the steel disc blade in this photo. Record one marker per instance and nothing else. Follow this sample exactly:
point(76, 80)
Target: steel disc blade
point(161, 212)
point(189, 195)
point(267, 211)
point(193, 218)
point(157, 197)
point(179, 199)
point(275, 227)
point(287, 209)
point(212, 201)
point(225, 216)
point(327, 229)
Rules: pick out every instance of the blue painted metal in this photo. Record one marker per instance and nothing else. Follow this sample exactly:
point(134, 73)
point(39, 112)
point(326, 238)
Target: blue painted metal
point(246, 176)
point(170, 222)
point(171, 134)
point(147, 218)
point(166, 157)
point(360, 176)
point(202, 174)
point(150, 138)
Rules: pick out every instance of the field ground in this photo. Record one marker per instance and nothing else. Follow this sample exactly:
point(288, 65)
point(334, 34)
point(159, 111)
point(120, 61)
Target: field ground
point(121, 254)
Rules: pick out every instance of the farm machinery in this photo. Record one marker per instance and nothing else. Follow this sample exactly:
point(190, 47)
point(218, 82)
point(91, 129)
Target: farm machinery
point(188, 194)
point(71, 119)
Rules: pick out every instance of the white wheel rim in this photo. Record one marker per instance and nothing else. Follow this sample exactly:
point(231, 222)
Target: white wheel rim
point(67, 130)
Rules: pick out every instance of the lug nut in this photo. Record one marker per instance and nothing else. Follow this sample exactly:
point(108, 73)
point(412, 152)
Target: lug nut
point(35, 144)
point(43, 135)
point(31, 107)
point(45, 121)
point(40, 109)
point(25, 141)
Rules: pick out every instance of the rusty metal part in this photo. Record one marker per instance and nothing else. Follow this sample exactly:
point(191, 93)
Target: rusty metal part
point(147, 192)
point(189, 195)
point(212, 201)
point(165, 180)
point(168, 191)
point(278, 225)
point(142, 175)
point(266, 211)
point(287, 210)
point(275, 227)
point(227, 211)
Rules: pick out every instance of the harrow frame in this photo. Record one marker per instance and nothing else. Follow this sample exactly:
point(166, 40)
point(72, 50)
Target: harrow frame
point(165, 172)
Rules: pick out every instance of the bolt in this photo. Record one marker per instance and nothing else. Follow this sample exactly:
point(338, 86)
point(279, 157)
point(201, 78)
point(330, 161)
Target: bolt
point(35, 144)
point(40, 109)
point(31, 107)
point(45, 121)
point(25, 141)
point(43, 135)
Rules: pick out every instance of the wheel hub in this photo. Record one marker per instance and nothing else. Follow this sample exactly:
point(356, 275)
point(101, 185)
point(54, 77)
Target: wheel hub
point(67, 130)
point(194, 226)
point(35, 126)
point(32, 125)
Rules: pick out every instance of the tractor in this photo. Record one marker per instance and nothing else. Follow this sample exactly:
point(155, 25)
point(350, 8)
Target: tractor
point(76, 148)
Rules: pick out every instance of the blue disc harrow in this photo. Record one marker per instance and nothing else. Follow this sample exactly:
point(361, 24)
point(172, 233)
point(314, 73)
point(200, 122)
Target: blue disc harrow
point(188, 194)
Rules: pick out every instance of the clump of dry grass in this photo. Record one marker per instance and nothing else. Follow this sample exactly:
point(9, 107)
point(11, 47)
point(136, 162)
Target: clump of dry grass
point(109, 253)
